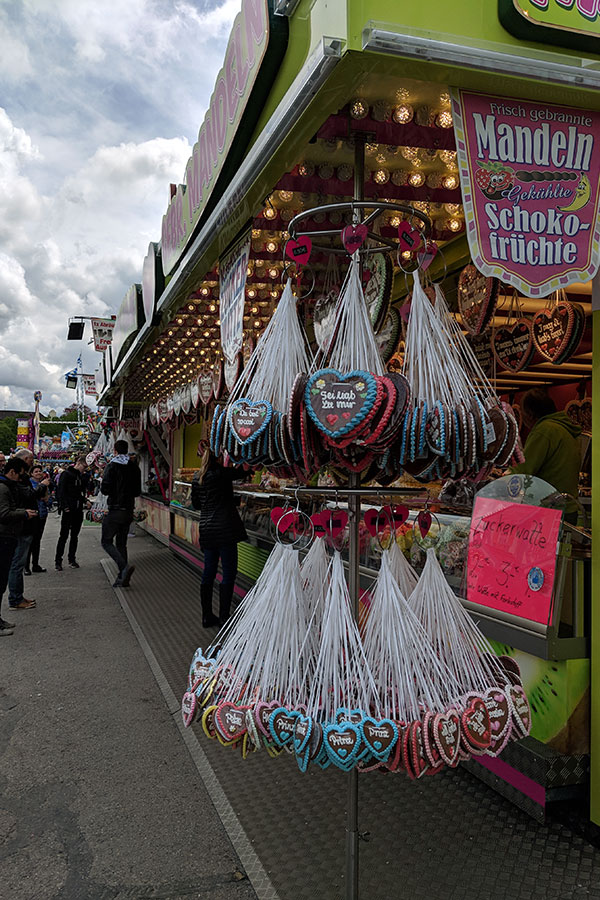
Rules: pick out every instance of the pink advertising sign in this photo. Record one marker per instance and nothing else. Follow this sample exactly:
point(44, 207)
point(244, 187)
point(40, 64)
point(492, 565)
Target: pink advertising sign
point(530, 179)
point(512, 558)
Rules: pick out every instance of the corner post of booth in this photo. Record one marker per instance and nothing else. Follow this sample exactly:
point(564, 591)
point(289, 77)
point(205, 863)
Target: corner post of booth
point(595, 593)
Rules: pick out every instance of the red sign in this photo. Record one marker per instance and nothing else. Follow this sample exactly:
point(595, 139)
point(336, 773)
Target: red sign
point(530, 178)
point(512, 558)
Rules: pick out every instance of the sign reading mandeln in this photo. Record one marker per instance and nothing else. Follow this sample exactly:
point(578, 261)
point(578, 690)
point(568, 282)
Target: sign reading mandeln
point(233, 268)
point(530, 179)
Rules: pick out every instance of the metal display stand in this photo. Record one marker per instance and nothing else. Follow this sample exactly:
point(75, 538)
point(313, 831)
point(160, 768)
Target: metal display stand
point(360, 212)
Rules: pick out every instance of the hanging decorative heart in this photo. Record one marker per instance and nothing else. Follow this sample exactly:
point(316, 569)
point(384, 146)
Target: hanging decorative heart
point(427, 255)
point(513, 345)
point(378, 289)
point(477, 298)
point(230, 721)
point(188, 708)
point(410, 238)
point(299, 251)
point(354, 236)
point(379, 736)
point(424, 523)
point(334, 521)
point(249, 420)
point(281, 725)
point(342, 744)
point(205, 387)
point(338, 403)
point(283, 518)
point(302, 732)
point(376, 521)
point(446, 735)
point(552, 328)
point(475, 726)
point(263, 712)
point(521, 713)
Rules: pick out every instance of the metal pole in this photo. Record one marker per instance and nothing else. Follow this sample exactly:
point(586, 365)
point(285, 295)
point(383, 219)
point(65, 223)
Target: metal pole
point(354, 588)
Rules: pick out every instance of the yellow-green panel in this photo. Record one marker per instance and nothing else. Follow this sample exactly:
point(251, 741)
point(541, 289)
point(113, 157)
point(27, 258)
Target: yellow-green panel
point(595, 617)
point(251, 560)
point(477, 20)
point(192, 434)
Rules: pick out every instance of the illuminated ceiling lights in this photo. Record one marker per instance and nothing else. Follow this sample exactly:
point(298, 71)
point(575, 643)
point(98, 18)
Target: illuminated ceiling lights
point(403, 114)
point(444, 119)
point(359, 109)
point(416, 179)
point(450, 182)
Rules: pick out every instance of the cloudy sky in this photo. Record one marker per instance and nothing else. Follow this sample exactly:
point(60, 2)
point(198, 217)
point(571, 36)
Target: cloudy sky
point(100, 104)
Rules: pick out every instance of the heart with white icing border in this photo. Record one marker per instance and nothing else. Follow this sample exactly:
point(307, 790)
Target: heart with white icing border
point(188, 708)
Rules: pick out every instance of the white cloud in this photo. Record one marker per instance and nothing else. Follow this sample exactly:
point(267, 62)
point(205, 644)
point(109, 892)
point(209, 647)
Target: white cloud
point(102, 103)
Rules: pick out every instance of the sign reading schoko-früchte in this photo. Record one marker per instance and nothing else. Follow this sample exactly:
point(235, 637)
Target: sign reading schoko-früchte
point(530, 178)
point(245, 51)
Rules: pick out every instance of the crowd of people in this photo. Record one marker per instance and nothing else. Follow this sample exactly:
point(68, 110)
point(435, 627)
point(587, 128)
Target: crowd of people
point(27, 494)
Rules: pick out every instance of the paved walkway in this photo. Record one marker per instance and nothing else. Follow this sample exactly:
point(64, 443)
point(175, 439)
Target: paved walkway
point(105, 795)
point(99, 796)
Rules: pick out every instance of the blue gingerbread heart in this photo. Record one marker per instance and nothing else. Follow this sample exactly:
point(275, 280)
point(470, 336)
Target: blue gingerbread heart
point(338, 403)
point(343, 744)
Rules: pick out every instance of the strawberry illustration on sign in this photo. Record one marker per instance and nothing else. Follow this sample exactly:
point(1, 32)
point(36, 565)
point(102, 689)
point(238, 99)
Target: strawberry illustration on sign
point(492, 178)
point(299, 251)
point(353, 237)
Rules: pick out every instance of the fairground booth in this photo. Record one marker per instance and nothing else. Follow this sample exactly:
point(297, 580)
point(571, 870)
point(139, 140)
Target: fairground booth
point(442, 160)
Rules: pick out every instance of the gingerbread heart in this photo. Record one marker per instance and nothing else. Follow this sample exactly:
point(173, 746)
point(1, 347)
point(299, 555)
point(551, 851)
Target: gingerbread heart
point(338, 403)
point(477, 297)
point(205, 387)
point(302, 732)
point(282, 723)
point(262, 714)
point(200, 668)
point(248, 420)
point(476, 729)
point(552, 329)
point(230, 721)
point(188, 708)
point(513, 345)
point(354, 236)
point(521, 713)
point(379, 736)
point(446, 735)
point(299, 251)
point(342, 744)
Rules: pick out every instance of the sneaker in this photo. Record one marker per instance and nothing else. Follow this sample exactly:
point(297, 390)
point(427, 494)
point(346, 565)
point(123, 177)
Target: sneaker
point(118, 582)
point(24, 604)
point(7, 624)
point(73, 565)
point(58, 567)
point(126, 576)
point(5, 628)
point(26, 571)
point(37, 569)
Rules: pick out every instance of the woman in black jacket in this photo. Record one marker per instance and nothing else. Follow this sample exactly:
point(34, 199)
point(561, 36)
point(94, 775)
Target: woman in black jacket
point(221, 529)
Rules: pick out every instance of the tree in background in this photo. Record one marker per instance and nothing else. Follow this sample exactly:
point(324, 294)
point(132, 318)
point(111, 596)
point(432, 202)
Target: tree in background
point(8, 434)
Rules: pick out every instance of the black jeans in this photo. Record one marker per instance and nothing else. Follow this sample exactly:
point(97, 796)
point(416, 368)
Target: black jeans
point(70, 527)
point(115, 527)
point(34, 551)
point(7, 548)
point(229, 563)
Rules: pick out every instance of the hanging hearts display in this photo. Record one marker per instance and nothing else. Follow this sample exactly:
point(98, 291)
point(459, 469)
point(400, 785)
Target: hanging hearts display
point(513, 345)
point(299, 251)
point(230, 721)
point(477, 298)
point(552, 329)
point(282, 724)
point(249, 420)
point(476, 727)
point(354, 236)
point(379, 737)
point(342, 744)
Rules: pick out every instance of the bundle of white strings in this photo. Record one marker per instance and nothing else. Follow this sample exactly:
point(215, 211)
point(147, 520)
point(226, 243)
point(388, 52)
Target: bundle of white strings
point(353, 345)
point(458, 642)
point(261, 650)
point(408, 674)
point(281, 353)
point(342, 677)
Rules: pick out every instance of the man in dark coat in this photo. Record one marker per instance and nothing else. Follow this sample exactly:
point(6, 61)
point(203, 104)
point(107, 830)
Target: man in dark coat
point(12, 520)
point(70, 495)
point(221, 529)
point(121, 483)
point(28, 498)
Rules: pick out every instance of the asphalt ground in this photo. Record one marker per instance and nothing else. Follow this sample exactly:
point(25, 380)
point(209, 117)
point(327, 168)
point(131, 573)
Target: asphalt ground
point(99, 796)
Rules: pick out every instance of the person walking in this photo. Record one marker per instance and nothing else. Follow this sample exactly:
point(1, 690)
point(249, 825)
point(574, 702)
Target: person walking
point(33, 558)
point(27, 499)
point(71, 500)
point(221, 530)
point(121, 483)
point(12, 519)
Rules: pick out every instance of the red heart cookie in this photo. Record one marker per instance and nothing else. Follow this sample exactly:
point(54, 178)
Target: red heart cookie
point(299, 251)
point(230, 721)
point(476, 729)
point(354, 236)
